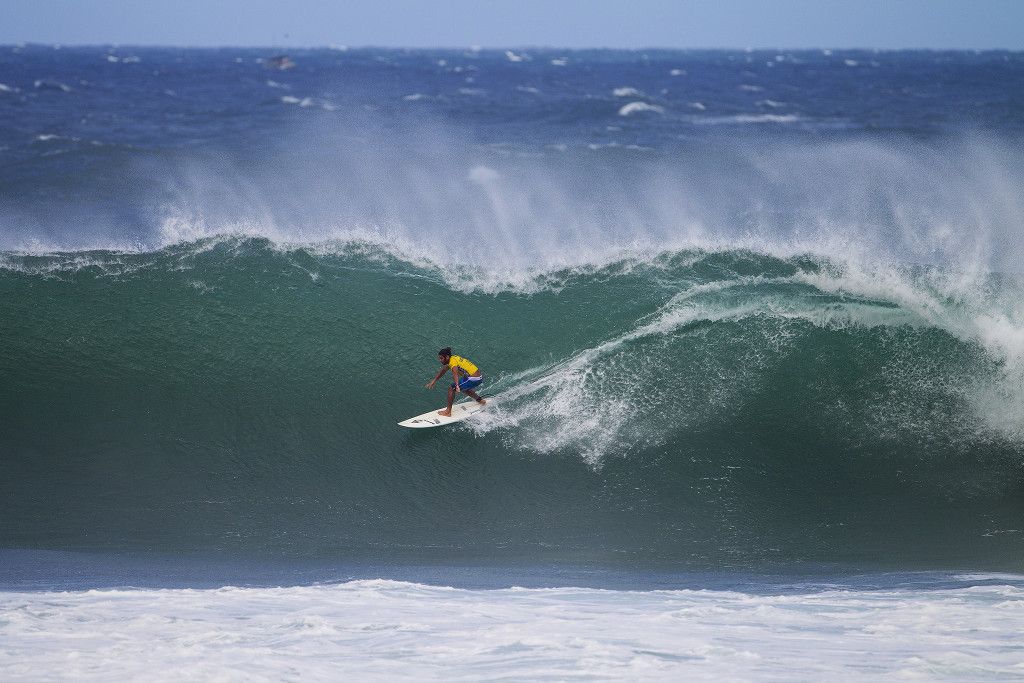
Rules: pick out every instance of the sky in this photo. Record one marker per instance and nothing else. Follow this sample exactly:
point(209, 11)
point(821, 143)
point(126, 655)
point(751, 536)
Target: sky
point(936, 24)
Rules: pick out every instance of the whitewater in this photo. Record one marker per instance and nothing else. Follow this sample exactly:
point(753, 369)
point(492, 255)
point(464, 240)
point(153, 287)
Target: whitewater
point(388, 630)
point(751, 322)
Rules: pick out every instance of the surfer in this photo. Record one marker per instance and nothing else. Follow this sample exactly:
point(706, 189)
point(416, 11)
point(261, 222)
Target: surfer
point(471, 378)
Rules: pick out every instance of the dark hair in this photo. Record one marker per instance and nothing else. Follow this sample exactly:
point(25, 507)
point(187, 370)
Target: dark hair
point(446, 351)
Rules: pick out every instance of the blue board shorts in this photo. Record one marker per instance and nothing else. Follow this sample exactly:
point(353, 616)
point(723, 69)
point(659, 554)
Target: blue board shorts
point(469, 383)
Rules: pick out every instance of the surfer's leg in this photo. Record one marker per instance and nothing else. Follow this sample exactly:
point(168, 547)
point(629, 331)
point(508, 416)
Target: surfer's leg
point(474, 395)
point(447, 412)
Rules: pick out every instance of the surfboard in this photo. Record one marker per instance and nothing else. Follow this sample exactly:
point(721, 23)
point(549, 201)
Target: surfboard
point(460, 411)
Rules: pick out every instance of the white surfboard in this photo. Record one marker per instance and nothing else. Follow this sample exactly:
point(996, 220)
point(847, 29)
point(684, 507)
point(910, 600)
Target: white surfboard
point(460, 411)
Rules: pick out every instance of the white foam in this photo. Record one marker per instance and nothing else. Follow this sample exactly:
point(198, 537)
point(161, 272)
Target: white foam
point(306, 102)
point(388, 630)
point(618, 145)
point(513, 57)
point(749, 118)
point(627, 92)
point(590, 397)
point(765, 118)
point(43, 84)
point(7, 88)
point(977, 577)
point(640, 107)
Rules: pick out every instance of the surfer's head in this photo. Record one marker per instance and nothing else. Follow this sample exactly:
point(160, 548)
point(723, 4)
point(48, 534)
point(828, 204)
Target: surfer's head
point(444, 354)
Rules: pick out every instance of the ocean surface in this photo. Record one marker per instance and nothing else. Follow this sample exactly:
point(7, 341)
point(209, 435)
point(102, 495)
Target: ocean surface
point(752, 323)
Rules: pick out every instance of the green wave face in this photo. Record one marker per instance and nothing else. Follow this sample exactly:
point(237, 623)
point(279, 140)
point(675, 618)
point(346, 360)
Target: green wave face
point(693, 408)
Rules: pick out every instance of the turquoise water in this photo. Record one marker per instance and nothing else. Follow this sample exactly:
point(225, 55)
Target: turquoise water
point(736, 310)
point(697, 409)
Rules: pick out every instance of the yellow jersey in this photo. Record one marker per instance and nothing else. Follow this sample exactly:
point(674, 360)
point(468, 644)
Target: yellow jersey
point(462, 363)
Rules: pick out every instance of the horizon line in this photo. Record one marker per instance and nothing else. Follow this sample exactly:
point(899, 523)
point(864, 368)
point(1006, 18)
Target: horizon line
point(498, 48)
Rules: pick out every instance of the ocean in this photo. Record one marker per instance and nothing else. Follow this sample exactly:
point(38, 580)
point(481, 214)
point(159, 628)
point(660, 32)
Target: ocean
point(751, 323)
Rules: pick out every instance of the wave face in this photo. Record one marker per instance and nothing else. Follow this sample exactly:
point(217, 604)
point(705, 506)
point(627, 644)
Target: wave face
point(736, 309)
point(707, 407)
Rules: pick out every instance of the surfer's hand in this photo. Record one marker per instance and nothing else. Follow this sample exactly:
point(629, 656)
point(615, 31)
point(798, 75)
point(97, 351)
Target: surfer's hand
point(429, 385)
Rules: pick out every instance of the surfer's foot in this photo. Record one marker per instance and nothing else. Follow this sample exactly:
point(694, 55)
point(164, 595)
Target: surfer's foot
point(482, 401)
point(444, 413)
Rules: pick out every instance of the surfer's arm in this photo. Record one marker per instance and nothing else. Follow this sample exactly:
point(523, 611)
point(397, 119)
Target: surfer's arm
point(431, 383)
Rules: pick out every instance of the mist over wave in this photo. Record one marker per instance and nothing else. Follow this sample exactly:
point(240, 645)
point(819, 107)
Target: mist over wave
point(430, 192)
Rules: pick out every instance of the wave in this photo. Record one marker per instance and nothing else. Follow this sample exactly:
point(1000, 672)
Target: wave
point(732, 352)
point(680, 393)
point(685, 290)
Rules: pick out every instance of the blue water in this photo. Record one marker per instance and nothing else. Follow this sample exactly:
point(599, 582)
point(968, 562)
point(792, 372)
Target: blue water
point(750, 321)
point(99, 143)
